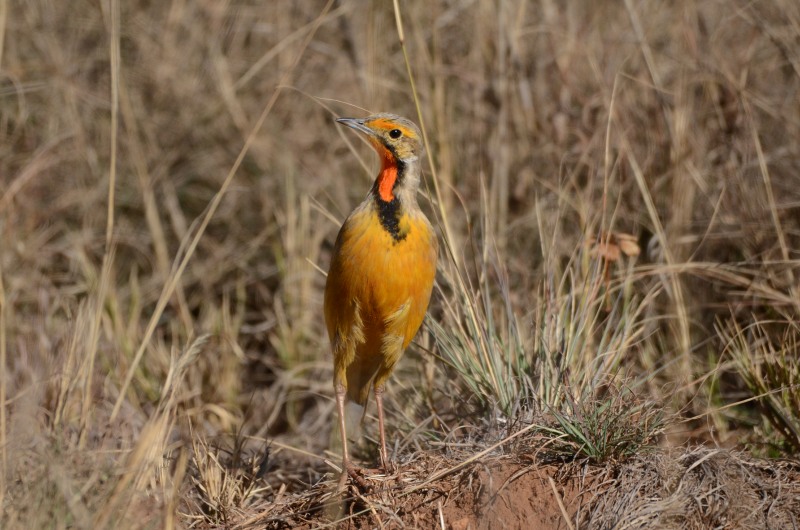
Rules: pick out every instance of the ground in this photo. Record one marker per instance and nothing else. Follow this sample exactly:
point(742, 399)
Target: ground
point(699, 488)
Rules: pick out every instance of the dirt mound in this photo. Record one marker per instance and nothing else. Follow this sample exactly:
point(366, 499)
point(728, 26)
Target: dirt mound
point(497, 493)
point(700, 488)
point(512, 496)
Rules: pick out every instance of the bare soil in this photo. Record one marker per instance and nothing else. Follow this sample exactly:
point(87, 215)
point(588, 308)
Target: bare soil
point(694, 489)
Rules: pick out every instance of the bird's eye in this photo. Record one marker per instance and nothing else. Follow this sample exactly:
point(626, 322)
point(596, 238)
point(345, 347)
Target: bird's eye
point(395, 133)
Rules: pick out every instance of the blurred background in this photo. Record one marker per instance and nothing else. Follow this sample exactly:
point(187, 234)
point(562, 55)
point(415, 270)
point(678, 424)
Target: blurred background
point(616, 186)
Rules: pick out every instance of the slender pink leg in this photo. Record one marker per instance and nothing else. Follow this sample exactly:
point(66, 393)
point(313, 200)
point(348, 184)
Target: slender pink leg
point(384, 453)
point(347, 465)
point(340, 394)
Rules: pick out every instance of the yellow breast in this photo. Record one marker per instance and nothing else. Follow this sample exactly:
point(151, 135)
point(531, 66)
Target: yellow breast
point(377, 293)
point(380, 273)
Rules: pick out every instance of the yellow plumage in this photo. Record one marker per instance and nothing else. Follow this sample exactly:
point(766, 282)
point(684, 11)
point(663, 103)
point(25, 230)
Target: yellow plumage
point(376, 296)
point(381, 273)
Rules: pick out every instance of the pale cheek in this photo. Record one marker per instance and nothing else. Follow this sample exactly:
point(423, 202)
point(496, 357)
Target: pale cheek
point(403, 151)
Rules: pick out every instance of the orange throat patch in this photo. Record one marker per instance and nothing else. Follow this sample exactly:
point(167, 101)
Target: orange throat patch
point(388, 175)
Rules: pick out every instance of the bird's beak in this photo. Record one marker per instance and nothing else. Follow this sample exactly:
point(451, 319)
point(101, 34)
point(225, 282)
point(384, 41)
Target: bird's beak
point(357, 124)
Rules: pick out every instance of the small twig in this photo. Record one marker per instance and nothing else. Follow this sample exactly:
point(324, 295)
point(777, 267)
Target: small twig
point(560, 503)
point(473, 458)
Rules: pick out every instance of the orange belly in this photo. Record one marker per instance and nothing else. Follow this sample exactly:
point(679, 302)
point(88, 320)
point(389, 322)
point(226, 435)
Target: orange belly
point(376, 296)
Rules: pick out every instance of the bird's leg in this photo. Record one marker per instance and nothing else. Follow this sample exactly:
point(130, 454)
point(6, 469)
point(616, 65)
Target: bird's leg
point(341, 391)
point(347, 465)
point(384, 454)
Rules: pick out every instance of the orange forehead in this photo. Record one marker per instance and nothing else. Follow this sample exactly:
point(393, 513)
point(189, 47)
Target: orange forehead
point(385, 124)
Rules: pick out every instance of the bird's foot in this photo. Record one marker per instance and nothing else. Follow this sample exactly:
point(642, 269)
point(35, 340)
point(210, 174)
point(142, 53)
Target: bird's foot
point(356, 475)
point(388, 467)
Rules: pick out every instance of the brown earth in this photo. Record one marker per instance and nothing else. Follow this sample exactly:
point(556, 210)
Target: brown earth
point(496, 494)
point(514, 496)
point(694, 489)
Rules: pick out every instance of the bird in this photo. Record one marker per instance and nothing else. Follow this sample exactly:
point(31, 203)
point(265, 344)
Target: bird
point(381, 274)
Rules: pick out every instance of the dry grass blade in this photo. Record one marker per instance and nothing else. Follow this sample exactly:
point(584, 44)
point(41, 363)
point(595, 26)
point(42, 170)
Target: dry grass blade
point(3, 390)
point(3, 21)
point(108, 256)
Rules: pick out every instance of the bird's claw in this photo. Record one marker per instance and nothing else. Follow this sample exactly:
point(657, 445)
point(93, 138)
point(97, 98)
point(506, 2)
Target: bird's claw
point(388, 467)
point(356, 475)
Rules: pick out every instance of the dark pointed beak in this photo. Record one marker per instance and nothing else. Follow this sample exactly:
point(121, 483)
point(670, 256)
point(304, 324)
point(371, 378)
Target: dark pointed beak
point(357, 124)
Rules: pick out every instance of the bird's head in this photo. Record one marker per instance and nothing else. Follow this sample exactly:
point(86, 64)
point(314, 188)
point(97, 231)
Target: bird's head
point(399, 144)
point(392, 136)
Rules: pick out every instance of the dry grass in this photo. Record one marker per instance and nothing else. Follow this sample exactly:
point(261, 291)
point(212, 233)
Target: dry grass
point(172, 182)
point(700, 488)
